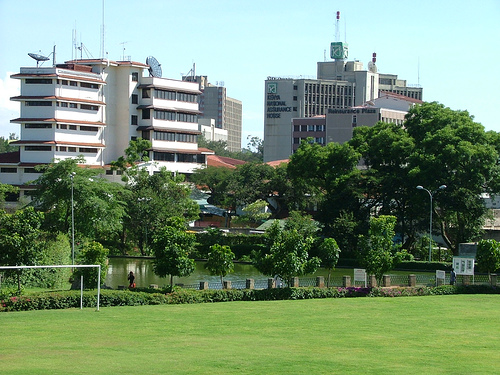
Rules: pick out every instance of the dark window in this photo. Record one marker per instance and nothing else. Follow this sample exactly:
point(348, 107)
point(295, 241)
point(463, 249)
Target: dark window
point(72, 127)
point(109, 172)
point(33, 103)
point(146, 114)
point(31, 170)
point(89, 107)
point(73, 83)
point(37, 148)
point(71, 149)
point(73, 105)
point(43, 81)
point(38, 126)
point(163, 156)
point(135, 77)
point(89, 85)
point(135, 99)
point(88, 150)
point(88, 129)
point(8, 170)
point(133, 120)
point(145, 93)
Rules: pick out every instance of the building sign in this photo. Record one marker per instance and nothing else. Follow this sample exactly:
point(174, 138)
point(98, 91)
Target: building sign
point(274, 105)
point(352, 110)
point(463, 265)
point(338, 50)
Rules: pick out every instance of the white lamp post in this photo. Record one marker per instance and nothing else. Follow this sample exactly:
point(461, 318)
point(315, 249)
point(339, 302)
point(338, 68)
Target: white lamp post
point(420, 187)
point(72, 175)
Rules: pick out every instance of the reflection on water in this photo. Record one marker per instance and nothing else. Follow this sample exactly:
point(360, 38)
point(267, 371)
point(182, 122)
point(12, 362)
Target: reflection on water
point(144, 275)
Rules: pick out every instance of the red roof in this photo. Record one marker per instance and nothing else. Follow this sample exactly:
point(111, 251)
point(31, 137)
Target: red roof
point(10, 157)
point(223, 161)
point(277, 163)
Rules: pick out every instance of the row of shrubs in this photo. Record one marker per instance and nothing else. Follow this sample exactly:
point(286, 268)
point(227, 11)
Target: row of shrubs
point(71, 299)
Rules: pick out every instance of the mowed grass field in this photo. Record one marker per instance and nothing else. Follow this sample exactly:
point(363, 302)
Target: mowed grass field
point(457, 334)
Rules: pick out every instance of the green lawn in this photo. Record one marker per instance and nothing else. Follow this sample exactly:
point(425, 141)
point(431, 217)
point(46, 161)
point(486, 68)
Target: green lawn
point(457, 334)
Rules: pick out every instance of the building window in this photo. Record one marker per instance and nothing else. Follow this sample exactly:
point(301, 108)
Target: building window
point(145, 94)
point(37, 103)
point(135, 99)
point(88, 150)
point(8, 170)
point(31, 170)
point(62, 148)
point(37, 148)
point(133, 120)
point(296, 141)
point(89, 107)
point(88, 129)
point(295, 98)
point(73, 105)
point(43, 81)
point(71, 149)
point(295, 87)
point(38, 126)
point(163, 156)
point(310, 128)
point(73, 83)
point(89, 85)
point(63, 104)
point(135, 77)
point(109, 172)
point(72, 127)
point(146, 114)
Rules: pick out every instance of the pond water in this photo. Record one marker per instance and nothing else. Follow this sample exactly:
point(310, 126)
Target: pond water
point(144, 275)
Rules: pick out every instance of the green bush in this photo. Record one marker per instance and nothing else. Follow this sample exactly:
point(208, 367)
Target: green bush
point(71, 299)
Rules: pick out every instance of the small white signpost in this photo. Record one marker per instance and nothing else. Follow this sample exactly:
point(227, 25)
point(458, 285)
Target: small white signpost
point(440, 275)
point(360, 275)
point(464, 265)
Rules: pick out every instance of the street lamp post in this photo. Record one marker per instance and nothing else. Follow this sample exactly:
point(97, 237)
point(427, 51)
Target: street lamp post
point(420, 187)
point(72, 175)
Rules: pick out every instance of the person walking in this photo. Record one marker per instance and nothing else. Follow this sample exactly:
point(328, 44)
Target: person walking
point(453, 277)
point(131, 279)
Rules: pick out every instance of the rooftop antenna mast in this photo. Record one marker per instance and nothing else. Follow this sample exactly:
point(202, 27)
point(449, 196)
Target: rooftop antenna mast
point(102, 52)
point(337, 27)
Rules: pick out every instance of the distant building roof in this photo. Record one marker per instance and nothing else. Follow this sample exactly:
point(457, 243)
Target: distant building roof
point(277, 163)
point(223, 161)
point(10, 157)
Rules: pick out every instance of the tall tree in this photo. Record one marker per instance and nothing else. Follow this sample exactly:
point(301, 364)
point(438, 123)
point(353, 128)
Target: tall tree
point(452, 149)
point(378, 248)
point(172, 247)
point(19, 233)
point(98, 204)
point(220, 261)
point(288, 255)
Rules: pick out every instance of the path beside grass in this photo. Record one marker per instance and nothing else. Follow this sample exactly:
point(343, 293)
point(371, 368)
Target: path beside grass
point(457, 334)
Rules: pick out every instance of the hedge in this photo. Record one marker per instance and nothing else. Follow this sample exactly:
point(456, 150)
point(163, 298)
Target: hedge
point(71, 299)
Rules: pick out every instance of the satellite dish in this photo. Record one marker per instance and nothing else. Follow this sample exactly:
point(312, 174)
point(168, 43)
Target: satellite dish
point(38, 57)
point(154, 67)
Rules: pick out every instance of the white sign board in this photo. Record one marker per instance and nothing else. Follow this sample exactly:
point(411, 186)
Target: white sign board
point(463, 265)
point(440, 275)
point(360, 275)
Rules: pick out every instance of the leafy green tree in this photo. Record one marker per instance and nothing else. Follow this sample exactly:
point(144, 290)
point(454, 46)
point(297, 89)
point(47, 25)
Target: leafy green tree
point(488, 256)
point(4, 190)
point(329, 255)
point(250, 182)
point(288, 255)
point(378, 246)
point(98, 204)
point(19, 233)
point(452, 149)
point(92, 253)
point(216, 180)
point(5, 144)
point(386, 149)
point(254, 213)
point(220, 261)
point(152, 201)
point(172, 247)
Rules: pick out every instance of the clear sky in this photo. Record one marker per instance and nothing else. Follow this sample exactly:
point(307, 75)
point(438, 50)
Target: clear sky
point(451, 48)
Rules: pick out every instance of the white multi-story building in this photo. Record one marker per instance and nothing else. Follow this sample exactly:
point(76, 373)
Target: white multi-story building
point(94, 108)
